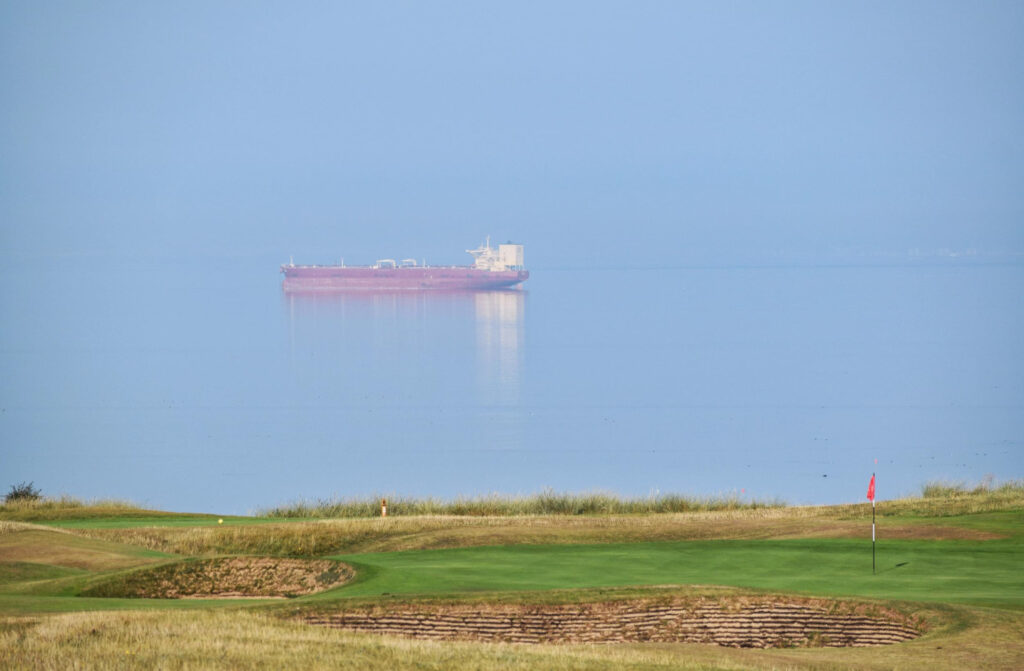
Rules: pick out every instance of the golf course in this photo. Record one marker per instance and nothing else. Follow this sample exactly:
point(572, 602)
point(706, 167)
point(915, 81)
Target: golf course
point(728, 586)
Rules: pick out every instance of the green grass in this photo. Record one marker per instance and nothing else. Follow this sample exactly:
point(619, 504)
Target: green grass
point(987, 573)
point(957, 552)
point(20, 572)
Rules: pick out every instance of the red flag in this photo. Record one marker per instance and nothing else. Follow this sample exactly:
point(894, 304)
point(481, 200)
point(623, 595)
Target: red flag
point(871, 488)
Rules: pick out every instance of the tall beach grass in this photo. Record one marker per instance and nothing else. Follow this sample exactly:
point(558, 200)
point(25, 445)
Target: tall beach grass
point(547, 502)
point(986, 487)
point(960, 497)
point(937, 497)
point(64, 507)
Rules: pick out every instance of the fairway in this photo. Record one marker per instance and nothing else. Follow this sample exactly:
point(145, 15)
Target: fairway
point(950, 571)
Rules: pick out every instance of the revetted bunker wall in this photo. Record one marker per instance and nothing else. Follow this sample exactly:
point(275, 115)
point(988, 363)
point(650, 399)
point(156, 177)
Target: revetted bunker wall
point(748, 624)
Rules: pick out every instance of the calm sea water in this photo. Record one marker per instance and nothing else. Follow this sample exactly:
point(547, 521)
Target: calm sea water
point(198, 385)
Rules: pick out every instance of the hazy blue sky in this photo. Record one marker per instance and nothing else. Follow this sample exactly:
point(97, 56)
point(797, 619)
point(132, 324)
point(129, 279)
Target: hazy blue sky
point(741, 219)
point(594, 132)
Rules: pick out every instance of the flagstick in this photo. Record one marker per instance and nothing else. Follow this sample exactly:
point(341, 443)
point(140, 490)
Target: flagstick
point(872, 530)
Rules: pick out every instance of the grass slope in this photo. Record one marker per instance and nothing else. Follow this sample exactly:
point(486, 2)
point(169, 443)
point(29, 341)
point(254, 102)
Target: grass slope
point(298, 538)
point(43, 546)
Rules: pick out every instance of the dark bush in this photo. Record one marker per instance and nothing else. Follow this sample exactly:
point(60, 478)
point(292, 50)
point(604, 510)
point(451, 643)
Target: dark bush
point(23, 492)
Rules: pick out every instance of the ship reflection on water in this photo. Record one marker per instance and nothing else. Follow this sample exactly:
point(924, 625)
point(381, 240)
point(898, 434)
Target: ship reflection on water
point(409, 347)
point(499, 344)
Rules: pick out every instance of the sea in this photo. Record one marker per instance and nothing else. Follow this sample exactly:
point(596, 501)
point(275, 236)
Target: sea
point(197, 384)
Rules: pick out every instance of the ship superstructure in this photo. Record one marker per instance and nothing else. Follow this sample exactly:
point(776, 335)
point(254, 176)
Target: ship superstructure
point(498, 267)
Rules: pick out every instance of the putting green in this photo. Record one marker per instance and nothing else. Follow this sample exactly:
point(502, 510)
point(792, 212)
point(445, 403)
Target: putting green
point(983, 573)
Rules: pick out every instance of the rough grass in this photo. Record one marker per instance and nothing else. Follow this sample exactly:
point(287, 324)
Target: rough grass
point(234, 639)
point(959, 497)
point(66, 507)
point(245, 640)
point(987, 489)
point(23, 543)
point(310, 539)
point(940, 499)
point(161, 520)
point(543, 503)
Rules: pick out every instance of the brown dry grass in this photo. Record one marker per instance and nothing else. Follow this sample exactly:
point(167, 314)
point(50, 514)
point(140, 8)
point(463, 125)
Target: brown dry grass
point(30, 543)
point(435, 532)
point(975, 638)
point(936, 496)
point(66, 507)
point(246, 640)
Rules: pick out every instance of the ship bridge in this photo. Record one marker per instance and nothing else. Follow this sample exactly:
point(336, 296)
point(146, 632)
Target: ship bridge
point(507, 256)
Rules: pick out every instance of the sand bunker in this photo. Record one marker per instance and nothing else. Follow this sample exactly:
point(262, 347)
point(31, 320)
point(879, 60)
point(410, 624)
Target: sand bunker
point(228, 577)
point(748, 622)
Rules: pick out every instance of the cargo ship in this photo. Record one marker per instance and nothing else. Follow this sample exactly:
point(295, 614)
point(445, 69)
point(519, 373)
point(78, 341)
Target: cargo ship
point(498, 267)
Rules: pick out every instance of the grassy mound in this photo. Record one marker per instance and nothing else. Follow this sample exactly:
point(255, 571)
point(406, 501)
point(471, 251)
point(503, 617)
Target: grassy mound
point(26, 543)
point(68, 508)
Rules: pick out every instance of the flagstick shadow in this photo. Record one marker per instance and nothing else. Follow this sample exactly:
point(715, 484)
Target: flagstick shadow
point(893, 568)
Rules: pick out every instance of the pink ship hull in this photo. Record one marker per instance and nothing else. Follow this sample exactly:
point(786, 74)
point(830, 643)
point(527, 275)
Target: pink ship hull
point(306, 279)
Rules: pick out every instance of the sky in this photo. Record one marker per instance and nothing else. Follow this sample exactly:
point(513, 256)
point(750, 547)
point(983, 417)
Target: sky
point(597, 133)
point(757, 230)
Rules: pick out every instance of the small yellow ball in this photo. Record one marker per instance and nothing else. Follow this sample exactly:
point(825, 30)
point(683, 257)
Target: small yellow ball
point(220, 521)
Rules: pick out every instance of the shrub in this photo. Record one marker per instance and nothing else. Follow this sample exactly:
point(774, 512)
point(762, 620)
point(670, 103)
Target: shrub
point(23, 492)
